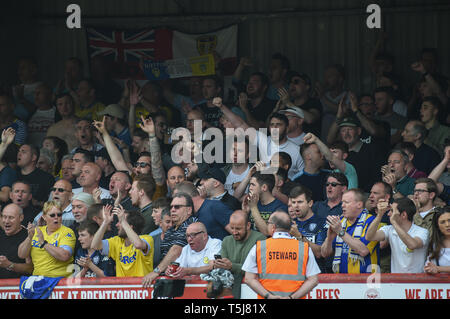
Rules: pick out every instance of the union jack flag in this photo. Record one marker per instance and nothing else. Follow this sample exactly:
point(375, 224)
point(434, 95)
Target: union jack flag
point(126, 48)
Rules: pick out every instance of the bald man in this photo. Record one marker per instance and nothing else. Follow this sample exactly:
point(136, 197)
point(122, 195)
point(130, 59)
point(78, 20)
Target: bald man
point(237, 246)
point(62, 192)
point(89, 181)
point(270, 261)
point(12, 235)
point(175, 175)
point(197, 257)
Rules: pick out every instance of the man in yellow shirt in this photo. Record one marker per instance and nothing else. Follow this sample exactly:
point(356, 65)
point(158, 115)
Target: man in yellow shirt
point(133, 253)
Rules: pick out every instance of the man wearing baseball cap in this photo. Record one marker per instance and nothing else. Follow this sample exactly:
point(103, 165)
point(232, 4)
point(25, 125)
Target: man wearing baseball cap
point(365, 157)
point(295, 131)
point(115, 123)
point(212, 180)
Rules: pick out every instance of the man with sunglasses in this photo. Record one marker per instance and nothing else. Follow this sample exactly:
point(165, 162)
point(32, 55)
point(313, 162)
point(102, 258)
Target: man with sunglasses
point(336, 186)
point(62, 192)
point(181, 211)
point(197, 257)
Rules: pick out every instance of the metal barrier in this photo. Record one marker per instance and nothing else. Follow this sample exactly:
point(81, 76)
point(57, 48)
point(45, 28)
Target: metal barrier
point(331, 286)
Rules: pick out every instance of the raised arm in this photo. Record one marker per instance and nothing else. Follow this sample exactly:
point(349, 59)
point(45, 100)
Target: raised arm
point(373, 234)
point(311, 138)
point(136, 241)
point(439, 169)
point(156, 159)
point(113, 151)
point(97, 241)
point(235, 119)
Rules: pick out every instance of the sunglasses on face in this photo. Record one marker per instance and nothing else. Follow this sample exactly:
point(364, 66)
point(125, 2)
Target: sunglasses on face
point(61, 190)
point(141, 164)
point(193, 235)
point(54, 215)
point(333, 184)
point(177, 206)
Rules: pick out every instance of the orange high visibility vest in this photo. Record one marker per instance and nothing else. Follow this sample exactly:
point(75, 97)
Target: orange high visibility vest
point(281, 265)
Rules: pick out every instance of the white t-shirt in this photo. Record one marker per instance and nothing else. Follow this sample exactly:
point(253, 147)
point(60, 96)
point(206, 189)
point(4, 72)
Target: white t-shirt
point(298, 140)
point(250, 263)
point(444, 260)
point(266, 144)
point(404, 260)
point(234, 178)
point(192, 258)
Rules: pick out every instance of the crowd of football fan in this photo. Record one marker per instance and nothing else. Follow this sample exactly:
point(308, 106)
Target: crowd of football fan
point(90, 184)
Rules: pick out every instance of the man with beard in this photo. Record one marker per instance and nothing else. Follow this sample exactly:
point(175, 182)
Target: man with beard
point(309, 227)
point(141, 194)
point(236, 247)
point(295, 131)
point(278, 142)
point(366, 158)
point(425, 191)
point(132, 253)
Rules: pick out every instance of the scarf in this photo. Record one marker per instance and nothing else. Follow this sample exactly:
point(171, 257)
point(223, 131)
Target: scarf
point(339, 242)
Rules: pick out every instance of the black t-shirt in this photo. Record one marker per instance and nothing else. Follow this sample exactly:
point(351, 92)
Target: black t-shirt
point(8, 248)
point(316, 127)
point(41, 182)
point(212, 114)
point(367, 163)
point(316, 183)
point(262, 111)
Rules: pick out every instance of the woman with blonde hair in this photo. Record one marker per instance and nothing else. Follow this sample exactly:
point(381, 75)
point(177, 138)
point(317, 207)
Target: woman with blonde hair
point(51, 246)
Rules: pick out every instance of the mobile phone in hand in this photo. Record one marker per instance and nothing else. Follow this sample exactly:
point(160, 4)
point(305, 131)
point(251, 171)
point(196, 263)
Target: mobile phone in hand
point(217, 256)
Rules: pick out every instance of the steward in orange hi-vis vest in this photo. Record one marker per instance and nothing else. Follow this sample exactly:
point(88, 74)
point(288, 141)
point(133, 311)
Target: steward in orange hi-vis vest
point(281, 265)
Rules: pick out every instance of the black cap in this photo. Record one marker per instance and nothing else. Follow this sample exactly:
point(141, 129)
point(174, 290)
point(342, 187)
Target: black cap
point(212, 172)
point(349, 121)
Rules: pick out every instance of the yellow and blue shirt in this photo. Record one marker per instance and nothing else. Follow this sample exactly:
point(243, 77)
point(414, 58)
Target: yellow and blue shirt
point(347, 266)
point(44, 263)
point(130, 262)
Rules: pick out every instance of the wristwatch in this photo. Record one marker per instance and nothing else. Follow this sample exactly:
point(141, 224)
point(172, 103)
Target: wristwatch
point(157, 270)
point(43, 244)
point(341, 233)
